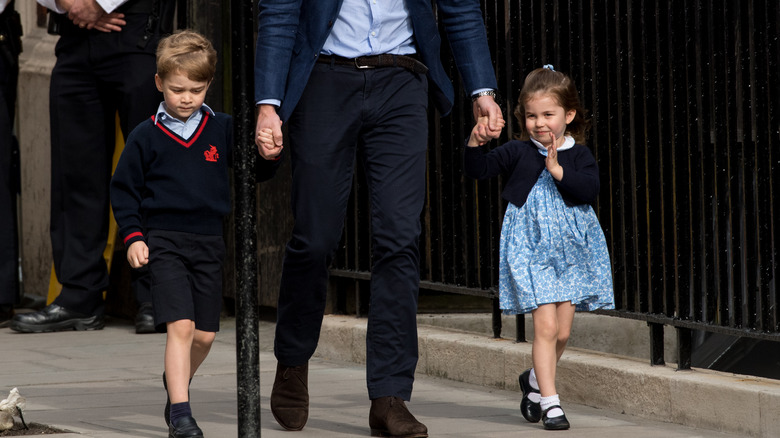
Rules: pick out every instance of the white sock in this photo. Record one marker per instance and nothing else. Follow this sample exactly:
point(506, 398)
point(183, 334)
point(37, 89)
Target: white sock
point(532, 380)
point(534, 396)
point(548, 402)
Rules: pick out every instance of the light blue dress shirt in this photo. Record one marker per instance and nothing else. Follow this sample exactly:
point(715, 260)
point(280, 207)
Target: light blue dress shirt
point(371, 27)
point(178, 127)
point(368, 27)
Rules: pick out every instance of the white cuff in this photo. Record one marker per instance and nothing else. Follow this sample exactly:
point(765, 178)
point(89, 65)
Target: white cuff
point(110, 5)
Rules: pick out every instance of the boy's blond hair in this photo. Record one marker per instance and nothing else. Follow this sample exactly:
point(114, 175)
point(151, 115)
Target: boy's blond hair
point(188, 53)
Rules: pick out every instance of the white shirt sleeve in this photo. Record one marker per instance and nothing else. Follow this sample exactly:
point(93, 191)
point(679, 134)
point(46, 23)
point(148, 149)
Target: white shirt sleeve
point(51, 4)
point(110, 5)
point(107, 5)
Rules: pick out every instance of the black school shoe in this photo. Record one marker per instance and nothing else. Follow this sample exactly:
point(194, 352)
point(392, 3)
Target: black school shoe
point(554, 423)
point(55, 318)
point(531, 411)
point(186, 428)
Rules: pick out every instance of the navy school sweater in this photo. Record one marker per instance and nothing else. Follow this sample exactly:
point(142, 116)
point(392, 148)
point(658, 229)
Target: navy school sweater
point(163, 181)
point(521, 163)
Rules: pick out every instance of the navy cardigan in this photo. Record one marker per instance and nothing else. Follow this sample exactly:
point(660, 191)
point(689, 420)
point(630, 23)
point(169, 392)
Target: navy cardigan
point(522, 163)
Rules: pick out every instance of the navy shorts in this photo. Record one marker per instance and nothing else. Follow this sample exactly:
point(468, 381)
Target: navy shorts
point(186, 275)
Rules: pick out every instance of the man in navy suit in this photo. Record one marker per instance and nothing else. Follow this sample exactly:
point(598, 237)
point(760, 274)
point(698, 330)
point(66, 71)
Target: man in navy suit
point(353, 78)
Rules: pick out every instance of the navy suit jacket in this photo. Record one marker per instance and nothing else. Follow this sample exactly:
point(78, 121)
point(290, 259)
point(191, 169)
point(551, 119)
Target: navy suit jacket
point(291, 34)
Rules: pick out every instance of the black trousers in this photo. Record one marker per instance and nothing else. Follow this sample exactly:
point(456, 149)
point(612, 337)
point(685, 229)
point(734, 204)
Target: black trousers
point(9, 71)
point(96, 75)
point(379, 115)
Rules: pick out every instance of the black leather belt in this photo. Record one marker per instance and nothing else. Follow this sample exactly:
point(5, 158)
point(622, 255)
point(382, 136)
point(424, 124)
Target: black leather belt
point(376, 61)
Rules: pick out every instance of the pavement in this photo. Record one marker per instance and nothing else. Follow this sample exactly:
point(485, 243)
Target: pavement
point(107, 384)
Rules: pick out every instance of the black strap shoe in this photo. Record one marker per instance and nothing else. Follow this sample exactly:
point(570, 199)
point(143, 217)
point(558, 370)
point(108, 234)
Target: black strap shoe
point(185, 428)
point(55, 318)
point(554, 423)
point(531, 411)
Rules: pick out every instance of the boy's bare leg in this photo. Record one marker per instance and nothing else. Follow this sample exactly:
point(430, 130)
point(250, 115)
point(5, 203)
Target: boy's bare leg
point(201, 345)
point(178, 359)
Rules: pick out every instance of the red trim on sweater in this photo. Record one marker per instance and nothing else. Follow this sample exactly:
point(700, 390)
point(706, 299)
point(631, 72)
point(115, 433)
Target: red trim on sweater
point(131, 235)
point(178, 139)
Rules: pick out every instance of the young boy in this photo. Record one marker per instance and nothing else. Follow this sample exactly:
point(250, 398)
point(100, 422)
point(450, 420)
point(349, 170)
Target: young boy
point(169, 193)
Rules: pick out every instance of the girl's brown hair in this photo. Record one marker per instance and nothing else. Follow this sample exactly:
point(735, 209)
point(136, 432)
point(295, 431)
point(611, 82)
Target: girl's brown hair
point(189, 53)
point(561, 88)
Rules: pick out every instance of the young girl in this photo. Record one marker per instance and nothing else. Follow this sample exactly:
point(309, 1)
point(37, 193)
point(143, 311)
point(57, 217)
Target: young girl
point(553, 255)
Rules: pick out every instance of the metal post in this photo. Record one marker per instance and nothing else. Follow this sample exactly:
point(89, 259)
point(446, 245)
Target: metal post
point(684, 348)
point(656, 343)
point(247, 315)
point(520, 328)
point(496, 317)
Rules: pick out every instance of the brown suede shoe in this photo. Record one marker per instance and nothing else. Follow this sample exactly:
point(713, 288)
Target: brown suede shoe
point(290, 396)
point(389, 417)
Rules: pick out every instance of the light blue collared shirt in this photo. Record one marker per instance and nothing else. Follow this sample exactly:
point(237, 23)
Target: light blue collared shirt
point(368, 27)
point(371, 27)
point(182, 129)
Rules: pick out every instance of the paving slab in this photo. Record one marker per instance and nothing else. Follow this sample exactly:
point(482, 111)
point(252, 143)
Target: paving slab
point(107, 384)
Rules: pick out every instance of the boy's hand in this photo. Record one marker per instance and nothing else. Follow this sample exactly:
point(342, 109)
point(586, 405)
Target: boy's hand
point(138, 254)
point(267, 119)
point(265, 139)
point(482, 133)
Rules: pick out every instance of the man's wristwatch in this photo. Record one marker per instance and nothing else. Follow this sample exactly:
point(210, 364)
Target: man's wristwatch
point(490, 93)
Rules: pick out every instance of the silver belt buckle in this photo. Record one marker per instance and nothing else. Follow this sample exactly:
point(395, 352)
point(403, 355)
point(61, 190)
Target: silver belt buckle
point(362, 66)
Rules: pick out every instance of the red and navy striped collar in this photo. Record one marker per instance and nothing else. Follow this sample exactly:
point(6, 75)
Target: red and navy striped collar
point(176, 137)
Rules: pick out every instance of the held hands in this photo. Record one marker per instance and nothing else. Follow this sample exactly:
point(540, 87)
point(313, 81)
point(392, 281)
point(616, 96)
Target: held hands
point(88, 14)
point(482, 133)
point(268, 138)
point(112, 22)
point(138, 254)
point(265, 139)
point(551, 161)
point(487, 106)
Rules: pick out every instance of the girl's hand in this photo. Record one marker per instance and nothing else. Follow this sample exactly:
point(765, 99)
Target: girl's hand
point(482, 133)
point(551, 161)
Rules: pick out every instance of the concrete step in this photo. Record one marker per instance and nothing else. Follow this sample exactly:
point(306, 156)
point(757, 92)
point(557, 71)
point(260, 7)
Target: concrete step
point(697, 398)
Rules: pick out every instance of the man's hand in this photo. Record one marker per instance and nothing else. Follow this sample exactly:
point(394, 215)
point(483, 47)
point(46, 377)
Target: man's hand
point(267, 119)
point(112, 22)
point(487, 106)
point(85, 13)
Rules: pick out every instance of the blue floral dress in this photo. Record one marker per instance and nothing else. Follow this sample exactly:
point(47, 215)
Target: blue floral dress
point(551, 253)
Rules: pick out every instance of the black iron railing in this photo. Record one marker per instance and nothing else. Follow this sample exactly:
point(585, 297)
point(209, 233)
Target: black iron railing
point(685, 104)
